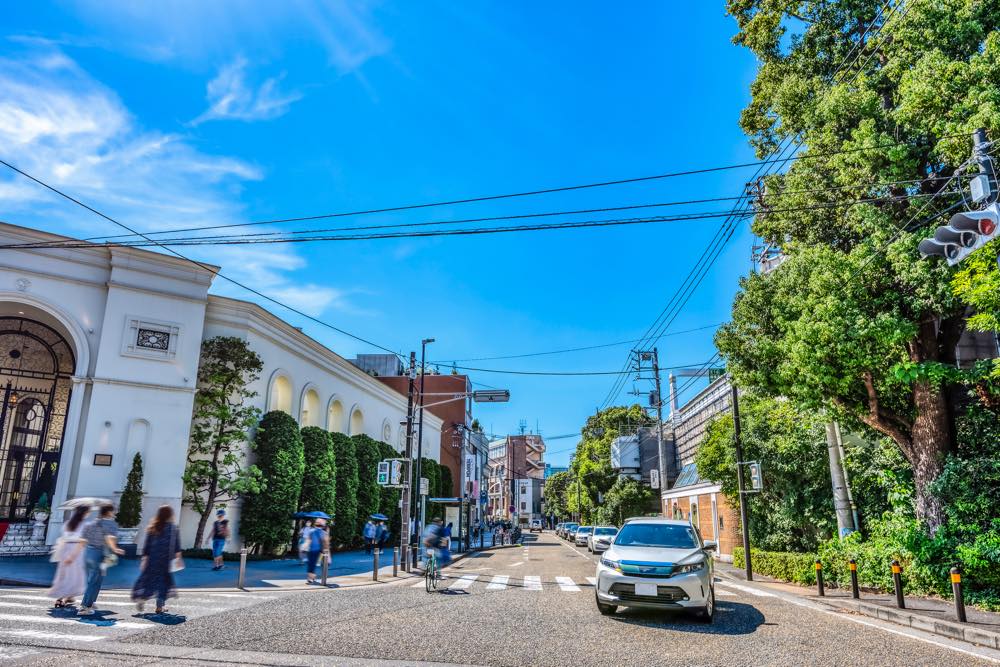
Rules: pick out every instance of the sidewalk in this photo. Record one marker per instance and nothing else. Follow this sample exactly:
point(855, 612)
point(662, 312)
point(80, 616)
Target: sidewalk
point(934, 615)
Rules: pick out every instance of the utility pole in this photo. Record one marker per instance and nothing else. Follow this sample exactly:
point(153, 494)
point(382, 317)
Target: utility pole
point(738, 443)
point(420, 437)
point(661, 446)
point(843, 504)
point(404, 531)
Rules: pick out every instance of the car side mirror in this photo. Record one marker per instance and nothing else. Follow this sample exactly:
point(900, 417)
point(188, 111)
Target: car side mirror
point(710, 545)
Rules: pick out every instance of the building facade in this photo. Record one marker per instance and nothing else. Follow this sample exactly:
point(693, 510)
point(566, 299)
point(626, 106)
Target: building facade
point(99, 361)
point(512, 458)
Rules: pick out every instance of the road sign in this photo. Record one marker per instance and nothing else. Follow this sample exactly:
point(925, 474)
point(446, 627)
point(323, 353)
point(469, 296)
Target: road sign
point(383, 473)
point(425, 486)
point(654, 479)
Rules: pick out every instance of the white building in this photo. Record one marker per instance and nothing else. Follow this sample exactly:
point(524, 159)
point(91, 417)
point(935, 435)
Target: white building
point(99, 353)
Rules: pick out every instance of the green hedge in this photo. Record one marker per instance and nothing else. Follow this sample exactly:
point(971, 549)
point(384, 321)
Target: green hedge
point(319, 482)
point(369, 493)
point(793, 567)
point(266, 519)
point(346, 515)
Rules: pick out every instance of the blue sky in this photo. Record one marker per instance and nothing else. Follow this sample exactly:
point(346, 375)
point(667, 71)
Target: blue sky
point(186, 113)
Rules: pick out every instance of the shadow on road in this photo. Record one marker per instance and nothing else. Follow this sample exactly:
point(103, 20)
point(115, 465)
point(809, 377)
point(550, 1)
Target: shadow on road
point(731, 618)
point(163, 618)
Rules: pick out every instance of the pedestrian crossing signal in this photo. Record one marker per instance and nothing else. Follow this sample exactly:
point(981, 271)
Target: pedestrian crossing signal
point(383, 473)
point(756, 482)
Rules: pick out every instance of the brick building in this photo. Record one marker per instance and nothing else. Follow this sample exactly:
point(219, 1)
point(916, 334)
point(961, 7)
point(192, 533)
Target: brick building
point(516, 457)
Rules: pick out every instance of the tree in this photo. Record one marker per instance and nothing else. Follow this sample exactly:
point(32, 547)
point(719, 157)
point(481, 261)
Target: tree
point(216, 471)
point(319, 480)
point(346, 515)
point(446, 482)
point(266, 519)
point(554, 494)
point(130, 506)
point(626, 498)
point(853, 321)
point(368, 455)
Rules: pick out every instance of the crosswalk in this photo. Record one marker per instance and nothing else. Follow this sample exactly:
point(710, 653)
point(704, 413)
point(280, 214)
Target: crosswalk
point(502, 582)
point(26, 613)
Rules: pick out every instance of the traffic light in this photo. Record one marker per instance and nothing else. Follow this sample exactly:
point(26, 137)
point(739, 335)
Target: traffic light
point(964, 234)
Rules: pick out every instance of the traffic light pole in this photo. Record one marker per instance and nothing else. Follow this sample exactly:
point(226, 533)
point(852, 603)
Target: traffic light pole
point(404, 529)
point(744, 515)
point(660, 444)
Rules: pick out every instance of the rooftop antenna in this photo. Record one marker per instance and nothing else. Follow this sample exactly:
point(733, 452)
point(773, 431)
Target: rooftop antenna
point(522, 425)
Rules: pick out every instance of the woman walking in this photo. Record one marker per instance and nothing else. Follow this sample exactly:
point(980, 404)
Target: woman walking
point(319, 543)
point(101, 536)
point(71, 576)
point(161, 557)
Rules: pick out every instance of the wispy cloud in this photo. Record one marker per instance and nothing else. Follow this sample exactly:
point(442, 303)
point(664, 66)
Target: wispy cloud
point(61, 125)
point(231, 96)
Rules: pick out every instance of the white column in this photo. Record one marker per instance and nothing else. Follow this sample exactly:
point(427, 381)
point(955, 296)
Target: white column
point(67, 457)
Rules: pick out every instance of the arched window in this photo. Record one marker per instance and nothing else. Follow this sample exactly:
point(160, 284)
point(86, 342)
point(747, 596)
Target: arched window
point(335, 416)
point(309, 414)
point(280, 396)
point(357, 422)
point(401, 439)
point(386, 431)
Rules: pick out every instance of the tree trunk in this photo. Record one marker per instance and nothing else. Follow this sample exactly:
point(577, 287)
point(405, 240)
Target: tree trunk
point(931, 441)
point(202, 522)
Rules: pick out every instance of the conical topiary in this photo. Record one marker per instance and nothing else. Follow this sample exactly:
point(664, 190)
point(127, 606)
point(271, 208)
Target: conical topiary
point(130, 508)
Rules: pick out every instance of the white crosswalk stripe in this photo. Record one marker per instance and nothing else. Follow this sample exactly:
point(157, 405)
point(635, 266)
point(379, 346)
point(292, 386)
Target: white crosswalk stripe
point(38, 634)
point(532, 583)
point(593, 580)
point(498, 583)
point(464, 581)
point(567, 584)
point(125, 625)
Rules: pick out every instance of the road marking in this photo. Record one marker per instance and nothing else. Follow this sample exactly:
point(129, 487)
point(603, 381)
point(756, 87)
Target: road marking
point(520, 562)
point(38, 634)
point(79, 621)
point(188, 602)
point(567, 584)
point(420, 584)
point(237, 595)
point(724, 593)
point(751, 591)
point(592, 581)
point(498, 583)
point(464, 581)
point(532, 583)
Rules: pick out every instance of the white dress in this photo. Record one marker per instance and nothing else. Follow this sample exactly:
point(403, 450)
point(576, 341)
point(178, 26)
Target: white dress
point(71, 578)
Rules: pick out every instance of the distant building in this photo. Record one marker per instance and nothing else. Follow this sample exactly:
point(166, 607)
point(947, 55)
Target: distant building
point(552, 470)
point(512, 458)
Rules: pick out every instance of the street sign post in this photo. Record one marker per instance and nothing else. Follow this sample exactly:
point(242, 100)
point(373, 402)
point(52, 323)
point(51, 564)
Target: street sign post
point(425, 486)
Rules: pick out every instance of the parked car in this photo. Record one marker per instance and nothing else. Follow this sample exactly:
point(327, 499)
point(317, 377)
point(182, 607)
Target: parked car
point(657, 563)
point(559, 527)
point(569, 529)
point(600, 538)
point(581, 535)
point(536, 525)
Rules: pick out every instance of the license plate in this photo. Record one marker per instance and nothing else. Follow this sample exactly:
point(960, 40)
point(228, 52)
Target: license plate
point(645, 589)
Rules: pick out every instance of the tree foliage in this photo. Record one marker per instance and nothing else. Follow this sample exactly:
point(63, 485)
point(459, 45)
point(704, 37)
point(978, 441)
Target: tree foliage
point(852, 302)
point(319, 481)
point(344, 531)
point(366, 451)
point(266, 517)
point(554, 494)
point(130, 505)
point(626, 498)
point(216, 471)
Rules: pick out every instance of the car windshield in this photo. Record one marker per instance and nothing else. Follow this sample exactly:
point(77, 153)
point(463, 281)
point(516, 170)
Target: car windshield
point(584, 529)
point(605, 531)
point(667, 535)
point(571, 526)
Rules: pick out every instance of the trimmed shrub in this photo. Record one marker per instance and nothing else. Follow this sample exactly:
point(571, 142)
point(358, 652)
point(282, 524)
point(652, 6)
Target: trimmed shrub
point(369, 493)
point(130, 505)
point(346, 509)
point(319, 481)
point(267, 516)
point(787, 566)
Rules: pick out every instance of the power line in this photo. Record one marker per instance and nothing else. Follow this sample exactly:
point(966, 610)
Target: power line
point(204, 267)
point(556, 373)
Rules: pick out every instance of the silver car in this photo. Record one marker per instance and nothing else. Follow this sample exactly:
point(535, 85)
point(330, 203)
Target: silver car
point(657, 563)
point(600, 539)
point(581, 535)
point(568, 530)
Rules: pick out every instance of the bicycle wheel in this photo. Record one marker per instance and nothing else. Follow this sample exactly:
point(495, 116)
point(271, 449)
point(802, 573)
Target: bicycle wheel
point(429, 583)
point(435, 574)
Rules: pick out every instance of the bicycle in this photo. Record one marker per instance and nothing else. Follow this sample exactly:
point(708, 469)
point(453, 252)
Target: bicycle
point(432, 571)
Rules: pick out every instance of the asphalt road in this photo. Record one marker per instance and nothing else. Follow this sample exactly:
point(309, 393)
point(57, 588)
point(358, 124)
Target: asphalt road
point(531, 605)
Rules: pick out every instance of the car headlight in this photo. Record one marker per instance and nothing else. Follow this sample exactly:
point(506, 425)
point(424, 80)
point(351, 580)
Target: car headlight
point(613, 564)
point(690, 567)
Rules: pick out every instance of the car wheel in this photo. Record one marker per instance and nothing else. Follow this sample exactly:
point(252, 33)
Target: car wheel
point(707, 613)
point(605, 609)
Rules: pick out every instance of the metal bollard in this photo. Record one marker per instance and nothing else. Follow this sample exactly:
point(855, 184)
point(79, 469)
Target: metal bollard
point(956, 589)
point(404, 558)
point(413, 555)
point(855, 592)
point(243, 568)
point(375, 564)
point(395, 561)
point(324, 567)
point(897, 582)
point(819, 578)
point(482, 540)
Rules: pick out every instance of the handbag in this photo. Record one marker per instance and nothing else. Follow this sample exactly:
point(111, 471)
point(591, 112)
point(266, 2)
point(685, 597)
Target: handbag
point(176, 565)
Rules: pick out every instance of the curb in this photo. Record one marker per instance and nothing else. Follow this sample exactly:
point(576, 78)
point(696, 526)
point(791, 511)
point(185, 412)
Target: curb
point(949, 629)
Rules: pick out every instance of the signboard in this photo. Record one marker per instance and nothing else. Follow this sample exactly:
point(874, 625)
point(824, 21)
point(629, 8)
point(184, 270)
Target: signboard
point(654, 479)
point(470, 467)
point(425, 486)
point(383, 473)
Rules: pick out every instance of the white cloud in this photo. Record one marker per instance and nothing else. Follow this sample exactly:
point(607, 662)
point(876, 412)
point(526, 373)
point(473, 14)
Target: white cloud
point(231, 96)
point(60, 125)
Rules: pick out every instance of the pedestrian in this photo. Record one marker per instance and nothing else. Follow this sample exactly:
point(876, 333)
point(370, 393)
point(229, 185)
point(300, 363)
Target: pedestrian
point(369, 534)
point(220, 533)
point(71, 574)
point(381, 535)
point(101, 535)
point(160, 559)
point(319, 543)
point(446, 543)
point(304, 536)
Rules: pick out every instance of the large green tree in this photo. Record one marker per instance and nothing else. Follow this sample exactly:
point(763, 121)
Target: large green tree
point(216, 471)
point(266, 517)
point(554, 494)
point(626, 498)
point(319, 481)
point(345, 518)
point(853, 320)
point(366, 451)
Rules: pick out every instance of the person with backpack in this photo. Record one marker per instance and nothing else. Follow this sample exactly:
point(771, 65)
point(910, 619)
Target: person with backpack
point(319, 543)
point(220, 533)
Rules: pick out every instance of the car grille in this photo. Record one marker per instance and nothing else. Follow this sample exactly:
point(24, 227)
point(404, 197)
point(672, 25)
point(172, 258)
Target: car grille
point(626, 591)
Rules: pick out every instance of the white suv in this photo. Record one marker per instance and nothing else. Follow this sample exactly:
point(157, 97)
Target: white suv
point(657, 563)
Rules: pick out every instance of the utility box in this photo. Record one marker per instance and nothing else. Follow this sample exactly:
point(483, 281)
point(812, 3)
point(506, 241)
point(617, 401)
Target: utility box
point(625, 456)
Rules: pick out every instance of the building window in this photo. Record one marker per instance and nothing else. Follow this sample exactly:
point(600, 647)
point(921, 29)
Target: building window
point(280, 396)
point(150, 339)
